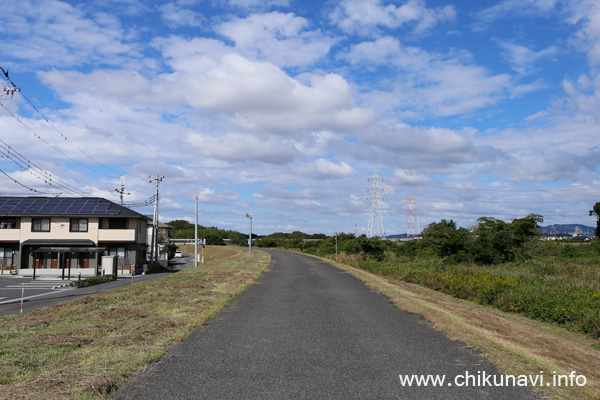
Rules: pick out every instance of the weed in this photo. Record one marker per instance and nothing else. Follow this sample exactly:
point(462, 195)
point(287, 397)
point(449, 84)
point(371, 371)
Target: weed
point(87, 347)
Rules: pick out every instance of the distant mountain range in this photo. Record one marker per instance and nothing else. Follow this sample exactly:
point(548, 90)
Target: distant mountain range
point(564, 229)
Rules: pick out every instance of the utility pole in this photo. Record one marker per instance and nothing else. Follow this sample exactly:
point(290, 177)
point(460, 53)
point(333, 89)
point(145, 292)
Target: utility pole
point(336, 244)
point(158, 179)
point(196, 236)
point(11, 89)
point(249, 216)
point(121, 191)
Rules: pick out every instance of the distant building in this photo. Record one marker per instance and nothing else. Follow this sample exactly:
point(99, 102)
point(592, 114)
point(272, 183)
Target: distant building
point(164, 233)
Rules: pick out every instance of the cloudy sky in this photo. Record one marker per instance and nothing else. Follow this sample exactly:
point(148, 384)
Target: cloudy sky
point(286, 108)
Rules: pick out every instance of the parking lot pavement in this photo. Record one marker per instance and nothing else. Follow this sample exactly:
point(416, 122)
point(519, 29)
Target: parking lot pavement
point(46, 292)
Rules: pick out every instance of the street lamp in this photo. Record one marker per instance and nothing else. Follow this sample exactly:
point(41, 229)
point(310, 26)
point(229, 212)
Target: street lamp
point(249, 216)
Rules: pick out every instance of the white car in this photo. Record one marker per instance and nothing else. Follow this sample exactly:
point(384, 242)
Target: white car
point(178, 253)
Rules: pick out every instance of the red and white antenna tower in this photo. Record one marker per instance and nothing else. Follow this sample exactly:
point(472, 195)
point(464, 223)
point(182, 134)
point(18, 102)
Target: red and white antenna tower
point(410, 231)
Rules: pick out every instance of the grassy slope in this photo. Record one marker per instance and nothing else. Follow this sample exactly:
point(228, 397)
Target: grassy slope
point(87, 347)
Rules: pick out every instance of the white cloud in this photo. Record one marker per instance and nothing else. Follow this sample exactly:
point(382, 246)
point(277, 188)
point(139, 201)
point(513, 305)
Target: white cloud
point(584, 96)
point(426, 148)
point(51, 32)
point(259, 95)
point(126, 86)
point(281, 39)
point(520, 7)
point(524, 59)
point(430, 83)
point(262, 4)
point(409, 177)
point(586, 15)
point(177, 15)
point(234, 147)
point(364, 16)
point(326, 169)
point(208, 195)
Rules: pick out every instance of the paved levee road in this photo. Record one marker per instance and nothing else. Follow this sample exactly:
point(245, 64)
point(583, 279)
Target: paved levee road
point(309, 331)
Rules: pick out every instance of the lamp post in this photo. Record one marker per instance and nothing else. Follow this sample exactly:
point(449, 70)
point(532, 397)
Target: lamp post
point(249, 216)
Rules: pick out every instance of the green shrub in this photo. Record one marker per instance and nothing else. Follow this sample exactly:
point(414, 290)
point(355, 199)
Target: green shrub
point(93, 280)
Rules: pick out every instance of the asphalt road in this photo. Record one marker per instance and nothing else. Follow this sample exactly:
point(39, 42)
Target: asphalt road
point(310, 331)
point(45, 292)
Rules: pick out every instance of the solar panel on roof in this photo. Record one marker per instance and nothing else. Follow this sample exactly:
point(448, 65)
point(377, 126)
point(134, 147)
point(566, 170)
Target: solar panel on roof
point(63, 206)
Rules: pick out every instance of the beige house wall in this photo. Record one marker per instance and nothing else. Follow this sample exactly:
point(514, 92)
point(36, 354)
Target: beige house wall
point(133, 238)
point(59, 229)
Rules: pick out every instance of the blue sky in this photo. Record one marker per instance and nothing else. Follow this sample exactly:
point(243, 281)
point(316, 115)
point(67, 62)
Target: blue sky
point(284, 108)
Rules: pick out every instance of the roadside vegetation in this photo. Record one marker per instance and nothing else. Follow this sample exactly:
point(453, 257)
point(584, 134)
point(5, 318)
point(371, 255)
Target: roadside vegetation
point(517, 345)
point(496, 263)
point(86, 348)
point(214, 236)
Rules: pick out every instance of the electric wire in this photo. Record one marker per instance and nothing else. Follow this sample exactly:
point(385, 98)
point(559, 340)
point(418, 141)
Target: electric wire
point(26, 165)
point(25, 186)
point(6, 76)
point(49, 144)
point(141, 203)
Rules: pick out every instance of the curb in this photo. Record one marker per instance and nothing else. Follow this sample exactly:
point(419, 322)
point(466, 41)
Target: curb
point(59, 286)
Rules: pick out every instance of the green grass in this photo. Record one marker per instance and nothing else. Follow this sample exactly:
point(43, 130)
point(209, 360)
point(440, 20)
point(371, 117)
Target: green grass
point(86, 348)
point(558, 284)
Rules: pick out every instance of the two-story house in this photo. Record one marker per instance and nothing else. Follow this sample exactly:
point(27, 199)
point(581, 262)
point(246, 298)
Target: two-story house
point(48, 234)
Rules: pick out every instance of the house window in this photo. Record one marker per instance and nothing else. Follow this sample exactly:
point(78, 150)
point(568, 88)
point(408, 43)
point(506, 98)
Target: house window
point(117, 223)
point(8, 223)
point(40, 225)
point(116, 251)
point(79, 225)
point(6, 256)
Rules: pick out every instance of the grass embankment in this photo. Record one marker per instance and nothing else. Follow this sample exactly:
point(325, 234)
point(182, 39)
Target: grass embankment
point(518, 345)
point(559, 284)
point(86, 348)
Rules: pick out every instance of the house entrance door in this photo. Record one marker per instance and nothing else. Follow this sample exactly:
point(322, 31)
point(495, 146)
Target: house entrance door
point(84, 260)
point(37, 260)
point(53, 260)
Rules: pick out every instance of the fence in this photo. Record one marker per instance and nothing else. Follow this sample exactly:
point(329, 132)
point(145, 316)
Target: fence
point(12, 270)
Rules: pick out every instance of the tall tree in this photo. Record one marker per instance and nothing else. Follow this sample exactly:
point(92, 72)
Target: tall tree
point(596, 211)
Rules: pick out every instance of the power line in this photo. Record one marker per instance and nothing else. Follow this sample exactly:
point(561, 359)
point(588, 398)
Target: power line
point(54, 147)
point(141, 203)
point(116, 174)
point(25, 164)
point(25, 186)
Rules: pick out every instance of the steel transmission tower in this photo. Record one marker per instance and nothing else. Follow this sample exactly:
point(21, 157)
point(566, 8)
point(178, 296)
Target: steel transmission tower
point(375, 214)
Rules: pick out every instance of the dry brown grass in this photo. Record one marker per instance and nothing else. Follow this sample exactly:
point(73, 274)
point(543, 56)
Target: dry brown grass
point(517, 345)
point(86, 348)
